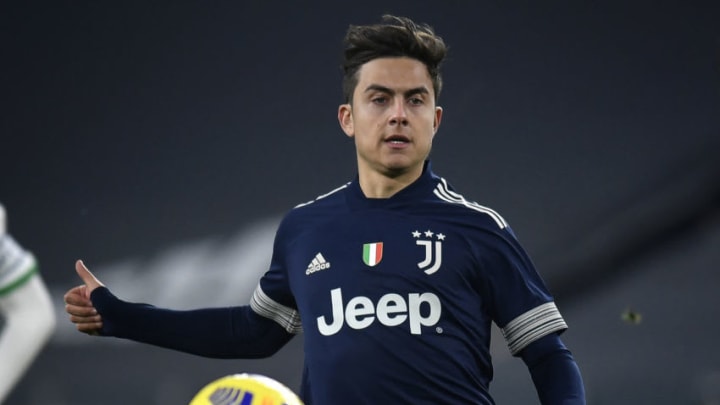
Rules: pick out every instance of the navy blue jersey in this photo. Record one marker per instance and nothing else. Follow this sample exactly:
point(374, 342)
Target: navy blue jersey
point(395, 297)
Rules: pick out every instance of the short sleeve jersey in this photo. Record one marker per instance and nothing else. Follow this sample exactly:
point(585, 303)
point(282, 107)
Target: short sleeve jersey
point(395, 297)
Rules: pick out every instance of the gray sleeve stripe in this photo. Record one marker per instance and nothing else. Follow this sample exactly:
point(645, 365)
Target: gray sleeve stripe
point(265, 306)
point(532, 325)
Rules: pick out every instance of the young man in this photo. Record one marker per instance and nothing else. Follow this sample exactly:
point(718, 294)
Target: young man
point(27, 317)
point(395, 276)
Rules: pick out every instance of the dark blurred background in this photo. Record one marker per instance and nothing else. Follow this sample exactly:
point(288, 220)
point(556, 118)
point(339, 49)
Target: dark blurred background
point(162, 141)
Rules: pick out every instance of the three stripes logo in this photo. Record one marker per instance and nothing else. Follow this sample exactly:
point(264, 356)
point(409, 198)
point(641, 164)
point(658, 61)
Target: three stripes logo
point(318, 263)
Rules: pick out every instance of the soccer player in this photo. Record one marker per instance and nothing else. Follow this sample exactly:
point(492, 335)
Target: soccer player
point(27, 317)
point(394, 278)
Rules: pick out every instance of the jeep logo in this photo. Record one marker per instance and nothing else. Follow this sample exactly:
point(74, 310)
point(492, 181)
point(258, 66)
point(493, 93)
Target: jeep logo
point(390, 310)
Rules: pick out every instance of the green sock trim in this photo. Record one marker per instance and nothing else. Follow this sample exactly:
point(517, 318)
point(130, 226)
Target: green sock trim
point(22, 280)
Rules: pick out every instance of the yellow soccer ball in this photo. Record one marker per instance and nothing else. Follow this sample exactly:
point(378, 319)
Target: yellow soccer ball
point(245, 389)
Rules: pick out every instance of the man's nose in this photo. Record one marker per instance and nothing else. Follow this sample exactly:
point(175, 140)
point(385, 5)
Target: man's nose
point(398, 113)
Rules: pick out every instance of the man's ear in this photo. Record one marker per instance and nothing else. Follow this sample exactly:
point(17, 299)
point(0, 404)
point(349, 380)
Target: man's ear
point(438, 118)
point(345, 119)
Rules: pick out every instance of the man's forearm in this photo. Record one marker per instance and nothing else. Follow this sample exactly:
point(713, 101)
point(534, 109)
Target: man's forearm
point(554, 372)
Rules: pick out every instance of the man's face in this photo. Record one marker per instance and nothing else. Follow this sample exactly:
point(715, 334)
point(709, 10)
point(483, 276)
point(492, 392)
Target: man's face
point(393, 117)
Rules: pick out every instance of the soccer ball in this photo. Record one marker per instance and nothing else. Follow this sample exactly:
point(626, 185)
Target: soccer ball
point(245, 389)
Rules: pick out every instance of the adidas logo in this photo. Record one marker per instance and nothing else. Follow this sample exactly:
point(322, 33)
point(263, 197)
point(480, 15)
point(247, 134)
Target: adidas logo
point(317, 264)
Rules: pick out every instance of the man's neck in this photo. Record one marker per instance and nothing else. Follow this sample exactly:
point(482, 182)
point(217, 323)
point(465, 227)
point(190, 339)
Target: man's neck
point(379, 185)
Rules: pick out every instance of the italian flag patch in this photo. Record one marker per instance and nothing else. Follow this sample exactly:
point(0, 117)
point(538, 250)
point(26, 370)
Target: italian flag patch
point(372, 253)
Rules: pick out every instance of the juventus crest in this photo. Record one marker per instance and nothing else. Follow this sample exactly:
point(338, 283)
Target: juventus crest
point(432, 243)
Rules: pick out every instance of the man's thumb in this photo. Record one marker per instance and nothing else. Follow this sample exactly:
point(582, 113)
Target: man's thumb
point(87, 277)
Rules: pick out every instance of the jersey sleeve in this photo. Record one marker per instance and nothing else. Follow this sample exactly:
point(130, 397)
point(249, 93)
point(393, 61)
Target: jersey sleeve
point(17, 266)
point(29, 321)
point(223, 332)
point(521, 304)
point(273, 298)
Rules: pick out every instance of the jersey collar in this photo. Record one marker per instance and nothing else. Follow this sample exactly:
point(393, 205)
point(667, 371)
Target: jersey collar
point(419, 189)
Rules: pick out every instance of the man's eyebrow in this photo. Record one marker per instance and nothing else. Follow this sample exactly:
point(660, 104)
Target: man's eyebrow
point(406, 93)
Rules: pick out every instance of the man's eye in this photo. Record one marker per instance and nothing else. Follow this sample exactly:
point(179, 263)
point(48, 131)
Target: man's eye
point(379, 100)
point(416, 101)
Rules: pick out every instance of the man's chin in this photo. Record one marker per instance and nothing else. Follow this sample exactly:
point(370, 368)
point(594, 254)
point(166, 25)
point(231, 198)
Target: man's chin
point(399, 168)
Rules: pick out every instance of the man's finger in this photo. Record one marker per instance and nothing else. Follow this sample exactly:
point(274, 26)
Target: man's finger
point(89, 328)
point(77, 296)
point(80, 311)
point(87, 277)
point(85, 319)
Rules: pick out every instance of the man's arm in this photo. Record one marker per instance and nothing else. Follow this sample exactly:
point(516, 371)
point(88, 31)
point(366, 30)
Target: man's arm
point(25, 307)
point(554, 372)
point(29, 322)
point(230, 332)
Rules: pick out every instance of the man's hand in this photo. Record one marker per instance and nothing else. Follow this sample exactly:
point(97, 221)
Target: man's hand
point(78, 305)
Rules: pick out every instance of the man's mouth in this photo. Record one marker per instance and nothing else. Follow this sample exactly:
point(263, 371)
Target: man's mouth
point(397, 139)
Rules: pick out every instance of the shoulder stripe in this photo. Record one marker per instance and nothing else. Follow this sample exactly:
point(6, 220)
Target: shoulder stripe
point(323, 196)
point(265, 306)
point(444, 193)
point(532, 325)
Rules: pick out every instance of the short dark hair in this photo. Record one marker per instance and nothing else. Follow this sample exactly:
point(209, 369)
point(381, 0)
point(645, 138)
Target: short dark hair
point(394, 37)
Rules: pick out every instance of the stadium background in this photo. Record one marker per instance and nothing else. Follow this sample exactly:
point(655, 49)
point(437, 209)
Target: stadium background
point(162, 141)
